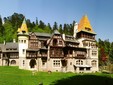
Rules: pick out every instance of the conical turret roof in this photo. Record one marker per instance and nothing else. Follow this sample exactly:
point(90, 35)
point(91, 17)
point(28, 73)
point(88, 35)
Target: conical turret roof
point(84, 25)
point(23, 27)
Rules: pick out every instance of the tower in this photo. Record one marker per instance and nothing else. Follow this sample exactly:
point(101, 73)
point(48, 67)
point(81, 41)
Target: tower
point(75, 30)
point(23, 36)
point(86, 37)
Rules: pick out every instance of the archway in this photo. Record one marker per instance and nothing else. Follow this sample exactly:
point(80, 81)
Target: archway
point(32, 63)
point(13, 62)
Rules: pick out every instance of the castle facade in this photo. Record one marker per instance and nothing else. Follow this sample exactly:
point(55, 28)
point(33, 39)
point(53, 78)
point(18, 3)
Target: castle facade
point(56, 51)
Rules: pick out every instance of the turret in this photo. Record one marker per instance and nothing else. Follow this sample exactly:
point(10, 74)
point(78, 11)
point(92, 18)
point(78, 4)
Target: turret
point(85, 29)
point(23, 37)
point(75, 30)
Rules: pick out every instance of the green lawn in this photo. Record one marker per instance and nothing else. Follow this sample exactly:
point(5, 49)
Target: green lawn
point(15, 76)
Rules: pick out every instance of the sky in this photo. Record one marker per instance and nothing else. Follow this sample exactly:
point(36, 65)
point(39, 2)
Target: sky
point(99, 12)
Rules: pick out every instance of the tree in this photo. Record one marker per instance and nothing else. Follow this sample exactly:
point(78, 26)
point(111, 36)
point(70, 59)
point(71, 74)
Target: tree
point(41, 24)
point(55, 26)
point(9, 32)
point(65, 29)
point(49, 26)
point(111, 53)
point(36, 21)
point(60, 29)
point(103, 56)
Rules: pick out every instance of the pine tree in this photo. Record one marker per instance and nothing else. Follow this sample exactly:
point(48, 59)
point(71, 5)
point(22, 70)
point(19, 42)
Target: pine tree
point(41, 24)
point(36, 21)
point(60, 28)
point(55, 26)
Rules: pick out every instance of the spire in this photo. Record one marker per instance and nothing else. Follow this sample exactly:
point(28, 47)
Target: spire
point(84, 25)
point(23, 27)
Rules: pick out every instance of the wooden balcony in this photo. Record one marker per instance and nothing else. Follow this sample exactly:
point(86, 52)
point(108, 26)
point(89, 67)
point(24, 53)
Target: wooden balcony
point(42, 55)
point(56, 56)
point(31, 56)
point(80, 56)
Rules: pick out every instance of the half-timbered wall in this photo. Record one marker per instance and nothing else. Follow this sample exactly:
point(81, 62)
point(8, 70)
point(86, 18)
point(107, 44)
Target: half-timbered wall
point(34, 43)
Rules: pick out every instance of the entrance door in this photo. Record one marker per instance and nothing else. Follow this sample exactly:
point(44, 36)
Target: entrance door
point(64, 65)
point(32, 63)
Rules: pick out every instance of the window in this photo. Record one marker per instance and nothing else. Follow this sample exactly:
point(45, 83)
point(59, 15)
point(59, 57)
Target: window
point(43, 63)
point(94, 63)
point(23, 62)
point(81, 68)
point(21, 41)
point(88, 29)
point(94, 53)
point(13, 62)
point(70, 63)
point(56, 63)
point(60, 42)
point(88, 68)
point(70, 52)
point(79, 62)
point(24, 41)
point(54, 42)
point(23, 51)
point(81, 53)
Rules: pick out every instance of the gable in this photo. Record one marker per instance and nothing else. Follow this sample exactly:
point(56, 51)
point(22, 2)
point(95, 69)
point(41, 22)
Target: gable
point(56, 40)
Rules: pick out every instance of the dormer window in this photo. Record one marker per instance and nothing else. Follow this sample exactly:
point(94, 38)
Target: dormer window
point(23, 31)
point(88, 29)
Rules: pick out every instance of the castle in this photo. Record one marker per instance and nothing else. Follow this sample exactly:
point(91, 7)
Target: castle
point(53, 52)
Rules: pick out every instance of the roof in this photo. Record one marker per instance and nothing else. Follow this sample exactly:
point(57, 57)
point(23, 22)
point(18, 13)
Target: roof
point(43, 34)
point(32, 49)
point(84, 25)
point(56, 32)
point(44, 48)
point(23, 27)
point(9, 47)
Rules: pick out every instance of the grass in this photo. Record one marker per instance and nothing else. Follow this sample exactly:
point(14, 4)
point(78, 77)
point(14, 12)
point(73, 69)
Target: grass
point(15, 76)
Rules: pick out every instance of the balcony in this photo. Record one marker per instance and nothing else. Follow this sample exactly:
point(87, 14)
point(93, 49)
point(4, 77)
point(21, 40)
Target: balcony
point(42, 55)
point(31, 56)
point(80, 56)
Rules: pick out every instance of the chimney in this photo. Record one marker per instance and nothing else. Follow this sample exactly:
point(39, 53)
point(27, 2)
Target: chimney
point(4, 42)
point(63, 36)
point(14, 41)
point(75, 30)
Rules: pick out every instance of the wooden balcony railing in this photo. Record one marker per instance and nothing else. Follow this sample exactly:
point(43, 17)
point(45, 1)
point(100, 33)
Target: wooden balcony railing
point(80, 56)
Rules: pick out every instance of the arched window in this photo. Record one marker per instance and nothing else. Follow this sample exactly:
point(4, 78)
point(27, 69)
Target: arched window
point(54, 42)
point(79, 62)
point(94, 63)
point(13, 62)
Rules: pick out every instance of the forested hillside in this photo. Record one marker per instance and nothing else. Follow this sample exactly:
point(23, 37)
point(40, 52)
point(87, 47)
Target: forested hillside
point(10, 25)
point(8, 29)
point(105, 52)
